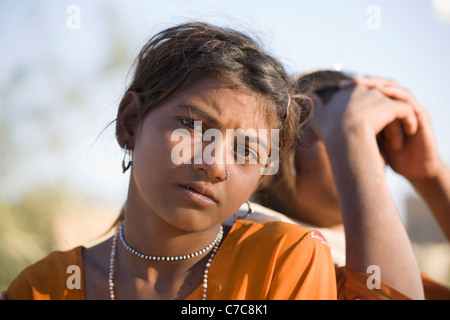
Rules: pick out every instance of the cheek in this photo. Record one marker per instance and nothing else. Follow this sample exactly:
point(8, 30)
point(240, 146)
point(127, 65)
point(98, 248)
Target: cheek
point(152, 158)
point(151, 150)
point(243, 184)
point(314, 175)
point(311, 166)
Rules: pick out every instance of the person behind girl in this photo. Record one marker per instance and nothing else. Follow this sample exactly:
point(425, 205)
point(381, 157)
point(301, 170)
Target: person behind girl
point(171, 243)
point(316, 185)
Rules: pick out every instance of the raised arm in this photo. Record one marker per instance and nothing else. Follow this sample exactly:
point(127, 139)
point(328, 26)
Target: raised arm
point(375, 235)
point(416, 156)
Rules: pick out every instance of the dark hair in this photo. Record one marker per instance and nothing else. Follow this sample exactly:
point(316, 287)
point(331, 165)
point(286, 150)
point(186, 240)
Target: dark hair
point(173, 56)
point(184, 52)
point(325, 83)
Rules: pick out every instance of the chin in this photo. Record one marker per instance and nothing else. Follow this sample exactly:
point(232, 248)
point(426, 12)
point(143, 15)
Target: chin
point(190, 221)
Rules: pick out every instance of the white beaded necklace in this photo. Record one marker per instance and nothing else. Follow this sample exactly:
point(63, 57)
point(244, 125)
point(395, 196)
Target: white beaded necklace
point(119, 233)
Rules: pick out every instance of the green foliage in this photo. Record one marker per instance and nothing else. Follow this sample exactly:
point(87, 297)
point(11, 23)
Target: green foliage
point(26, 231)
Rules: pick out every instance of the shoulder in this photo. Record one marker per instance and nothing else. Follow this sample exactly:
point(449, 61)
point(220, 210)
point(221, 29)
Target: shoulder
point(47, 278)
point(279, 232)
point(286, 261)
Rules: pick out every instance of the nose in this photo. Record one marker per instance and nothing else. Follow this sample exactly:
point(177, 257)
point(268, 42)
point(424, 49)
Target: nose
point(211, 159)
point(215, 172)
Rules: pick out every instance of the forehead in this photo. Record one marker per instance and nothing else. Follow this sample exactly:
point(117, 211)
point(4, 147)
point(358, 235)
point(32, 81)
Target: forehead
point(231, 107)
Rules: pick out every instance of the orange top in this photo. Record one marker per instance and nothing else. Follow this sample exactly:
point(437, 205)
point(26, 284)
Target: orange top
point(434, 290)
point(274, 260)
point(352, 285)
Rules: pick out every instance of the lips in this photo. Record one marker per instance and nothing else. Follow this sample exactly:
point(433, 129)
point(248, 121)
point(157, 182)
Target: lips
point(200, 194)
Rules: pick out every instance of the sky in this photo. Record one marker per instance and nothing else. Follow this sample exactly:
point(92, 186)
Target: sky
point(64, 66)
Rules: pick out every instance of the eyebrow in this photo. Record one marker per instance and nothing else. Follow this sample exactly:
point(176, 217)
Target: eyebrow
point(212, 119)
point(205, 114)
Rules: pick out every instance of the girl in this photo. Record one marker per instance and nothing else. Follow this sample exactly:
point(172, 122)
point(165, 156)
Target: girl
point(170, 243)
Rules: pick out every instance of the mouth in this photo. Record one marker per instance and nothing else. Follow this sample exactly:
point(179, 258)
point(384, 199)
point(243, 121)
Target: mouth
point(199, 194)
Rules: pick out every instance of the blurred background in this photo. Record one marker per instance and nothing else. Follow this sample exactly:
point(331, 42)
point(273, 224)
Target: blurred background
point(64, 66)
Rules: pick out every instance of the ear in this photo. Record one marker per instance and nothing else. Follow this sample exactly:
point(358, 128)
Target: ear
point(126, 121)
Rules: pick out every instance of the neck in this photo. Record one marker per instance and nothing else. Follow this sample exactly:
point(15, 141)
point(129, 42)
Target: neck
point(147, 232)
point(144, 268)
point(152, 233)
point(137, 278)
point(141, 278)
point(120, 234)
point(154, 237)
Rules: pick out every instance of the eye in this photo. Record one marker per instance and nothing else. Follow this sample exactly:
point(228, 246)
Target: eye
point(245, 155)
point(187, 123)
point(192, 124)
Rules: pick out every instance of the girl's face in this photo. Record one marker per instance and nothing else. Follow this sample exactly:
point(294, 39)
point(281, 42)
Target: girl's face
point(195, 196)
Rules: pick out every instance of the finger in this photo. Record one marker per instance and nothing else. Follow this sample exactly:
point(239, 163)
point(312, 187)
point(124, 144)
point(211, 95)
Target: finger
point(406, 114)
point(394, 135)
point(404, 95)
point(401, 94)
point(389, 88)
point(374, 82)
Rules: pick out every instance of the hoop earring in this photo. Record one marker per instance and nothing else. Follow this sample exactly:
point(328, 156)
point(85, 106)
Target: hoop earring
point(130, 161)
point(249, 212)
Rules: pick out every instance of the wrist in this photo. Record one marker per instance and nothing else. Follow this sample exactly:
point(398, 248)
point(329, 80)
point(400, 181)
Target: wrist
point(347, 132)
point(354, 150)
point(438, 174)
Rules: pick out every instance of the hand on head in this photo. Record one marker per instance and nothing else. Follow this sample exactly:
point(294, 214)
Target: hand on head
point(414, 155)
point(359, 107)
point(402, 126)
